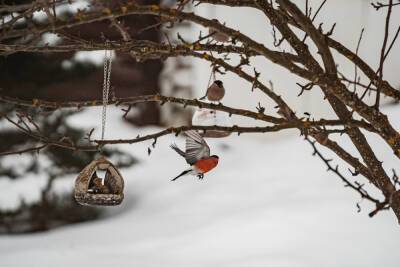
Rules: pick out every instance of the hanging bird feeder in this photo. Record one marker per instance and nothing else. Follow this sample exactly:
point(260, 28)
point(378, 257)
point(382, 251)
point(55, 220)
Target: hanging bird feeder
point(90, 189)
point(93, 190)
point(210, 117)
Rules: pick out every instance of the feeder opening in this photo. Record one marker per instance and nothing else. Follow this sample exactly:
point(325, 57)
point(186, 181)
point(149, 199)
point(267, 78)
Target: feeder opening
point(99, 183)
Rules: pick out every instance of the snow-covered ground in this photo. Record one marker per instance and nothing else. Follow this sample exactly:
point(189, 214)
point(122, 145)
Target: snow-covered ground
point(269, 203)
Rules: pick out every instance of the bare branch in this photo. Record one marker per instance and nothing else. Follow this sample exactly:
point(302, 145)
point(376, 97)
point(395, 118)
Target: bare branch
point(356, 187)
point(383, 52)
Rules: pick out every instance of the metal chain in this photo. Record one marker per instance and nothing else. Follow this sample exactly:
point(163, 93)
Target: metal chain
point(213, 74)
point(209, 80)
point(212, 78)
point(106, 88)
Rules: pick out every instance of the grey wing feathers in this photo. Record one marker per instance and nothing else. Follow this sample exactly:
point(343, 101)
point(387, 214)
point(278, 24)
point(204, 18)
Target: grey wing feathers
point(177, 149)
point(196, 147)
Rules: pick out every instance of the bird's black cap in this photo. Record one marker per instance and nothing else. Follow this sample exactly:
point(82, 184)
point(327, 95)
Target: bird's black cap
point(219, 83)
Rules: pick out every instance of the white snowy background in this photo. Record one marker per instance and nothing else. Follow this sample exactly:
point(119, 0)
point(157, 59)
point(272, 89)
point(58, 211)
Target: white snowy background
point(269, 202)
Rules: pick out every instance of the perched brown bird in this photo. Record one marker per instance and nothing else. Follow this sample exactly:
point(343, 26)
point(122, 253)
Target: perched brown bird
point(215, 92)
point(96, 185)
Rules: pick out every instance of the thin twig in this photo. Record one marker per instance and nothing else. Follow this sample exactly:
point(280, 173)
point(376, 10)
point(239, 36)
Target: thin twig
point(383, 52)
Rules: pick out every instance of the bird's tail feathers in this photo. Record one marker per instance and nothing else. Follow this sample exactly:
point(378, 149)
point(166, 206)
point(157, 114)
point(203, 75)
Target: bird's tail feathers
point(182, 174)
point(178, 150)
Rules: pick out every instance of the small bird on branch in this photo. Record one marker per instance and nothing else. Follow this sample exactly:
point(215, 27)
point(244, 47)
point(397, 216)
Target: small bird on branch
point(197, 154)
point(215, 92)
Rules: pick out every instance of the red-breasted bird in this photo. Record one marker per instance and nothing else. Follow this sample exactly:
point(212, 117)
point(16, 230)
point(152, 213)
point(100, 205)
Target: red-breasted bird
point(197, 154)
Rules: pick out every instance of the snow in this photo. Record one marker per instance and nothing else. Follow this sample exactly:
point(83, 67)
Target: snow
point(268, 203)
point(26, 189)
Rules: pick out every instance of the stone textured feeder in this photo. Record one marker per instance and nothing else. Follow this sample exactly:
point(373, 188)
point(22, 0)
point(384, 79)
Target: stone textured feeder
point(93, 190)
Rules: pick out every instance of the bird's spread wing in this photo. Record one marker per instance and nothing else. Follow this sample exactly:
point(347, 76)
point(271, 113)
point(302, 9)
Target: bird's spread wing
point(178, 150)
point(196, 147)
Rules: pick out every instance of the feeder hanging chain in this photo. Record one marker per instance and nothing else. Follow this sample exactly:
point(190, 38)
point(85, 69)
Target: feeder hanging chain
point(106, 88)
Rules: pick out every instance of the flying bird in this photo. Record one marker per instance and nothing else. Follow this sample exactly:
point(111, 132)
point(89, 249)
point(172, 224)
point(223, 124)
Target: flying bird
point(197, 155)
